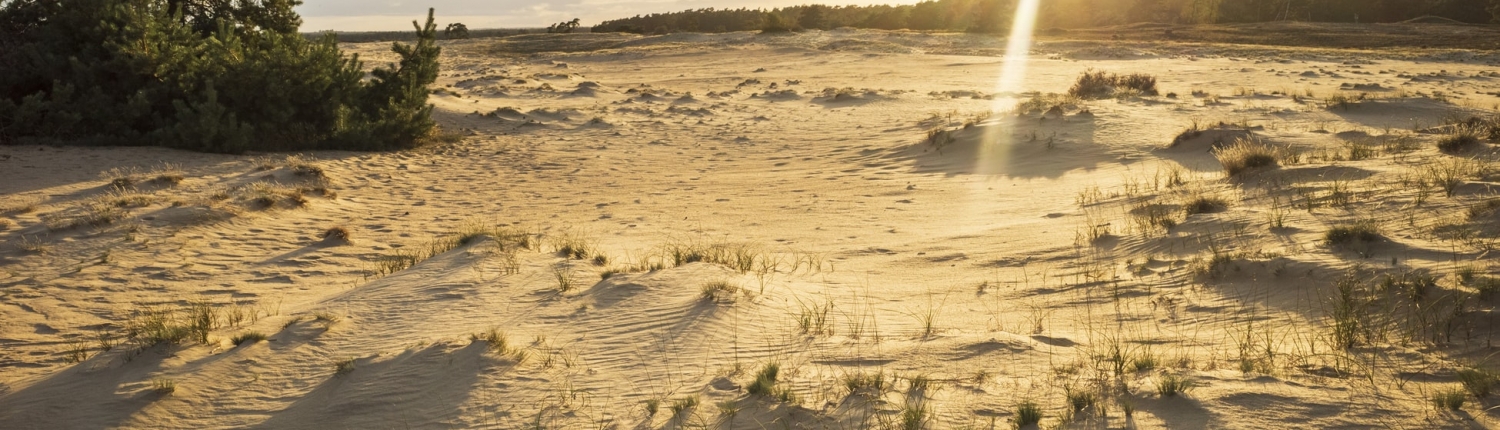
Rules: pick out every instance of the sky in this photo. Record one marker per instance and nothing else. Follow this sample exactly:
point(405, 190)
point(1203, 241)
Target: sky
point(376, 15)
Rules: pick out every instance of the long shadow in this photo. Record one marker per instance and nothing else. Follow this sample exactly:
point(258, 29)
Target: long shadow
point(1025, 146)
point(100, 392)
point(418, 388)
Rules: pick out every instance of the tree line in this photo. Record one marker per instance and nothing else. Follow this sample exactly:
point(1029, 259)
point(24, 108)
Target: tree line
point(988, 16)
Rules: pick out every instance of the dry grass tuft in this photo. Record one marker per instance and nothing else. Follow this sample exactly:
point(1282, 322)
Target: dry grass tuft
point(720, 292)
point(1246, 154)
point(336, 233)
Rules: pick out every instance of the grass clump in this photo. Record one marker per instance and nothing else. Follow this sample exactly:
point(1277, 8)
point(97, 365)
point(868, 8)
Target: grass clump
point(1246, 154)
point(1478, 382)
point(1028, 413)
point(157, 326)
point(765, 380)
point(498, 342)
point(249, 336)
point(872, 385)
point(1349, 233)
point(1450, 399)
point(343, 366)
point(1460, 139)
point(1097, 84)
point(765, 384)
point(683, 405)
point(1170, 385)
point(1080, 399)
point(163, 386)
point(720, 292)
point(1205, 204)
point(335, 233)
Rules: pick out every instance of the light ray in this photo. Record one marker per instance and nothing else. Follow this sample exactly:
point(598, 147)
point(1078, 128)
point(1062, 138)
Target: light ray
point(993, 150)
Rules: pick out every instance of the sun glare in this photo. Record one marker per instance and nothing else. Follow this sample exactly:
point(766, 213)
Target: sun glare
point(992, 151)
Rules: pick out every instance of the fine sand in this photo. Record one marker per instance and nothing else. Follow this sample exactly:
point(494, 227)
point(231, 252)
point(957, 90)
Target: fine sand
point(863, 209)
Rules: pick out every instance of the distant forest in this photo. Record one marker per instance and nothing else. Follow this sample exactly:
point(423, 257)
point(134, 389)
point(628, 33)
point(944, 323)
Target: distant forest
point(988, 16)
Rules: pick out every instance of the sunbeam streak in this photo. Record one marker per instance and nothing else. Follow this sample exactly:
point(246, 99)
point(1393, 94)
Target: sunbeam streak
point(993, 149)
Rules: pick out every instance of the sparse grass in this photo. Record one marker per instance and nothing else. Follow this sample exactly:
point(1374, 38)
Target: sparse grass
point(1028, 413)
point(564, 277)
point(1143, 362)
point(1097, 84)
point(1478, 382)
point(1080, 400)
point(683, 406)
point(302, 166)
point(1449, 174)
point(1246, 154)
point(1343, 100)
point(813, 319)
point(914, 415)
point(652, 405)
point(163, 386)
point(1452, 399)
point(121, 177)
point(32, 244)
point(1364, 230)
point(1348, 313)
point(871, 385)
point(507, 239)
point(20, 205)
point(77, 352)
point(1171, 385)
point(1484, 208)
point(498, 342)
point(152, 326)
point(249, 336)
point(573, 245)
point(720, 292)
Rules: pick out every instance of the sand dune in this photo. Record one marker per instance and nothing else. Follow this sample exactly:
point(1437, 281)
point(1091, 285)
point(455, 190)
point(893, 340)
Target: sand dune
point(650, 222)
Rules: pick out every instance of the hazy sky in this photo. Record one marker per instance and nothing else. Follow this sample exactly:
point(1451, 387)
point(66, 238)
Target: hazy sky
point(362, 15)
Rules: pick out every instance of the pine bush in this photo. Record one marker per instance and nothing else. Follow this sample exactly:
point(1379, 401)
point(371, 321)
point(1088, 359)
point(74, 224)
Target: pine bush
point(215, 75)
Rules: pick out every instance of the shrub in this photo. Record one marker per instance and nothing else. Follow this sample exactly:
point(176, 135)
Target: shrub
point(1094, 85)
point(456, 30)
point(228, 78)
point(1246, 154)
point(1462, 138)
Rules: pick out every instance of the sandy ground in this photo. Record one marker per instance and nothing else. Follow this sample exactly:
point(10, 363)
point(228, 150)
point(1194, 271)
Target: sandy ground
point(895, 283)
